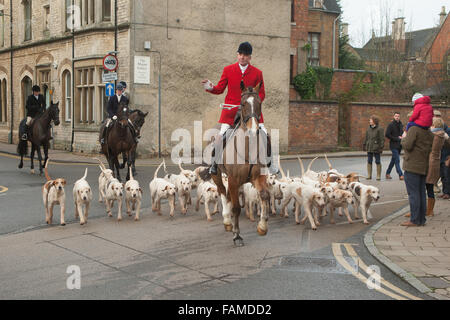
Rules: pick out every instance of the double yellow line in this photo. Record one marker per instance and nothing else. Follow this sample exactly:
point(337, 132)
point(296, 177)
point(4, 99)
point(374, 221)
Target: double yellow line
point(397, 293)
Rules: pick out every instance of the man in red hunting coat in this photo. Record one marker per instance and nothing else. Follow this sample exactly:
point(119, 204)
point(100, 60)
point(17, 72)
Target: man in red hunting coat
point(232, 77)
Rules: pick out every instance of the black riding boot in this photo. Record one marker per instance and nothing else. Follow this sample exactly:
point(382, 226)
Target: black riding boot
point(102, 141)
point(25, 133)
point(215, 158)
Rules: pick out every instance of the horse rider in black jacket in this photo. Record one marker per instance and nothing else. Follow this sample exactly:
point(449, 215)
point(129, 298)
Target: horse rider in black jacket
point(35, 105)
point(113, 106)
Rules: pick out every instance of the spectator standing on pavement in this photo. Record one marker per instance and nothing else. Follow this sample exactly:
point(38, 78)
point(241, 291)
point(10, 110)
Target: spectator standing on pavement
point(434, 162)
point(374, 144)
point(394, 133)
point(416, 143)
point(444, 169)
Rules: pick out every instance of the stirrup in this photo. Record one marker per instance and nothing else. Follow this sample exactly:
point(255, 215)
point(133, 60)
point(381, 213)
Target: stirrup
point(24, 137)
point(102, 141)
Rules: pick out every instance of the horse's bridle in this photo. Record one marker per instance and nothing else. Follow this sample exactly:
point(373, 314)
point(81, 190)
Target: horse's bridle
point(252, 115)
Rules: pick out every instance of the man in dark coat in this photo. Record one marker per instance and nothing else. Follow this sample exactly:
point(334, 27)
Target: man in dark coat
point(35, 105)
point(445, 171)
point(113, 106)
point(394, 133)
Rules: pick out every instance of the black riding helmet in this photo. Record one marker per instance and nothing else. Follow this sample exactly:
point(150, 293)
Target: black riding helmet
point(36, 88)
point(245, 48)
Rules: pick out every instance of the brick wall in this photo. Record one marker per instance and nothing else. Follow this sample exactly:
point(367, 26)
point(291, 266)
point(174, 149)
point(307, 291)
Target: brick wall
point(343, 81)
point(314, 125)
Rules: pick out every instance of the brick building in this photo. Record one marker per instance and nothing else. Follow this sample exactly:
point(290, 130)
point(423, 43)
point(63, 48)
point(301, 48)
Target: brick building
point(313, 22)
point(418, 53)
point(185, 40)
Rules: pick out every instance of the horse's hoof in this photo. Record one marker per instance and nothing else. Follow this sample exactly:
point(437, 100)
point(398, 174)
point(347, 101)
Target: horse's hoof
point(261, 232)
point(228, 227)
point(20, 165)
point(238, 242)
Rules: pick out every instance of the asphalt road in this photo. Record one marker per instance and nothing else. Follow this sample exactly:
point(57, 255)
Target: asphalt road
point(299, 263)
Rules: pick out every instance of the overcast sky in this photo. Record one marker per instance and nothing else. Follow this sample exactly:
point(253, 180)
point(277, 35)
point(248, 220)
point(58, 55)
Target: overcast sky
point(364, 15)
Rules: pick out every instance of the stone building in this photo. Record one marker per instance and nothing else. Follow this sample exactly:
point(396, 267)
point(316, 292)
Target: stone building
point(184, 40)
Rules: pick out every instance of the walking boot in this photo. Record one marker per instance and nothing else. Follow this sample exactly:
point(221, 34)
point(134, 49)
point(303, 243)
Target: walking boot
point(388, 177)
point(379, 172)
point(215, 156)
point(430, 207)
point(369, 171)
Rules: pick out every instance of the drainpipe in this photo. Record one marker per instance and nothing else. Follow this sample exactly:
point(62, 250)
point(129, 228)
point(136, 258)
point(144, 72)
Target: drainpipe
point(334, 40)
point(11, 120)
point(72, 101)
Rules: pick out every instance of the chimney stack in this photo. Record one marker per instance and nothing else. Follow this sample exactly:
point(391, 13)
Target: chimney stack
point(398, 31)
point(442, 16)
point(344, 29)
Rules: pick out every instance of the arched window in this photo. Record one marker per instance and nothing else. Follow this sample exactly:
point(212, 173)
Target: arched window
point(3, 101)
point(27, 84)
point(67, 95)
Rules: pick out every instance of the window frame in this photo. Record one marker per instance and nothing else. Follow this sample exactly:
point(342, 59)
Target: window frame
point(28, 10)
point(314, 60)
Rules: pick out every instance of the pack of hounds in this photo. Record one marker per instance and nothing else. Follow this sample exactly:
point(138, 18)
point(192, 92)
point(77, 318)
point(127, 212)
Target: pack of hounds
point(315, 194)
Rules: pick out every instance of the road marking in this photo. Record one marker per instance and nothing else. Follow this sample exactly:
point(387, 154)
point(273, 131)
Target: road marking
point(337, 252)
point(361, 263)
point(3, 189)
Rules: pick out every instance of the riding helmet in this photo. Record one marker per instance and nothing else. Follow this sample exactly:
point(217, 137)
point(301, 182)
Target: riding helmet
point(36, 88)
point(245, 48)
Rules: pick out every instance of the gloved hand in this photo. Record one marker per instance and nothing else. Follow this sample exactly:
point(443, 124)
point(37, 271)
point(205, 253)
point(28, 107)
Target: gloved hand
point(114, 117)
point(208, 85)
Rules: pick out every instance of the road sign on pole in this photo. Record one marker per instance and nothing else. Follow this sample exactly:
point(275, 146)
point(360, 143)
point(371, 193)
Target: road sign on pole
point(108, 77)
point(110, 62)
point(110, 89)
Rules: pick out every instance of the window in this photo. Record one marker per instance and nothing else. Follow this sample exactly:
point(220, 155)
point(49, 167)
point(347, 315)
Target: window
point(3, 102)
point(448, 65)
point(67, 95)
point(318, 4)
point(106, 10)
point(313, 56)
point(26, 85)
point(2, 29)
point(89, 101)
point(44, 83)
point(292, 10)
point(87, 8)
point(291, 70)
point(46, 16)
point(27, 19)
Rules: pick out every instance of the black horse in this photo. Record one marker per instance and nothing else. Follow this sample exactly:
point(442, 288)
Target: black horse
point(137, 118)
point(39, 136)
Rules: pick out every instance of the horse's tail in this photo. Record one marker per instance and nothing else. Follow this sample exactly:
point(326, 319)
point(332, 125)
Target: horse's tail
point(45, 170)
point(22, 147)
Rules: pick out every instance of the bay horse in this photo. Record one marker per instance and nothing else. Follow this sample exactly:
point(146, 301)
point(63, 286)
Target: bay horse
point(249, 170)
point(39, 135)
point(119, 139)
point(137, 118)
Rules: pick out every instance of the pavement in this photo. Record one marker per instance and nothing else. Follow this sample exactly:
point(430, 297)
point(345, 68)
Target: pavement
point(420, 255)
